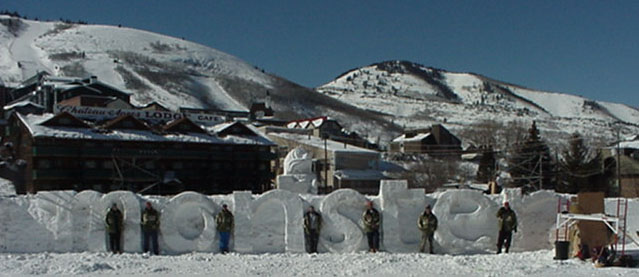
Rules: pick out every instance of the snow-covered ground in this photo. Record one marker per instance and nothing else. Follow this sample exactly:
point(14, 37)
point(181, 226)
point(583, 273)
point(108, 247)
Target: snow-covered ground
point(536, 263)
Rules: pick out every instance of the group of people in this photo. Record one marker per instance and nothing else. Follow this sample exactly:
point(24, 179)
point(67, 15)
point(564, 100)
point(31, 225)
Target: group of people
point(371, 219)
point(426, 223)
point(150, 225)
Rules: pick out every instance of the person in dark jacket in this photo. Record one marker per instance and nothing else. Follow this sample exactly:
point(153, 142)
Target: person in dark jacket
point(114, 227)
point(371, 221)
point(225, 225)
point(507, 223)
point(427, 223)
point(312, 226)
point(150, 223)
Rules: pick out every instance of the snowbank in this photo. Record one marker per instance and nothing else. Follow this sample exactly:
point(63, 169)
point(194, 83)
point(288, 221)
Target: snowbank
point(66, 221)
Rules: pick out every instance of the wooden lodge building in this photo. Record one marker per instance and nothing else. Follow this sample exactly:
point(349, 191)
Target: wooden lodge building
point(78, 134)
point(63, 152)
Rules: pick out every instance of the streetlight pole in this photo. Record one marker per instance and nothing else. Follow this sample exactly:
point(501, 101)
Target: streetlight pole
point(325, 137)
point(618, 161)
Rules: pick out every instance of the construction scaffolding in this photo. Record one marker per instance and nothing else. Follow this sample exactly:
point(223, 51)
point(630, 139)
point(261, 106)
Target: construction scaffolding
point(615, 223)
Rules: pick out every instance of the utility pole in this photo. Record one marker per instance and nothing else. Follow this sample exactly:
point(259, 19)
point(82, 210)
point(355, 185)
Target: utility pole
point(325, 137)
point(618, 161)
point(541, 172)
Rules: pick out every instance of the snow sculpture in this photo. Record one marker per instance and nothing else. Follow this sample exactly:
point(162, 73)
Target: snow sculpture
point(298, 161)
point(298, 174)
point(241, 241)
point(467, 222)
point(53, 211)
point(187, 224)
point(400, 209)
point(272, 222)
point(129, 203)
point(342, 230)
point(536, 217)
point(83, 219)
point(276, 223)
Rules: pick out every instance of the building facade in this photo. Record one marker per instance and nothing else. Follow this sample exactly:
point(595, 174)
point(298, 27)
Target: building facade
point(63, 152)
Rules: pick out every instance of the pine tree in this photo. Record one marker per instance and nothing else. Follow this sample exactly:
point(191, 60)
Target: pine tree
point(486, 169)
point(531, 166)
point(580, 168)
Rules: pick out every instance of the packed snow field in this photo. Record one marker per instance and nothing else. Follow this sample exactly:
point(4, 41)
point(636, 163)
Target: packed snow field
point(535, 263)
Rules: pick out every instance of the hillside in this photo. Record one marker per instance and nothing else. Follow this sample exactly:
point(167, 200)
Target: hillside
point(376, 101)
point(417, 96)
point(172, 71)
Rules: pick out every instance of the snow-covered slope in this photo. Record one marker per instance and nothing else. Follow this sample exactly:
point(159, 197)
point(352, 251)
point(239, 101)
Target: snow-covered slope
point(171, 71)
point(417, 96)
point(376, 101)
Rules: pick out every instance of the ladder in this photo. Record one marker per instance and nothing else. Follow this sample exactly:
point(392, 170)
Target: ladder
point(563, 206)
point(622, 211)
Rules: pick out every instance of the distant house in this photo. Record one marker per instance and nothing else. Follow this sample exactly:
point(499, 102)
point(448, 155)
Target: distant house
point(336, 164)
point(96, 101)
point(46, 90)
point(436, 141)
point(154, 106)
point(326, 127)
point(629, 165)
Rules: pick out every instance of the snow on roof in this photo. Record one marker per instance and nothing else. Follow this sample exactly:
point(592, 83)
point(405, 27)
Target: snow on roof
point(22, 103)
point(629, 144)
point(355, 174)
point(304, 123)
point(418, 137)
point(331, 145)
point(33, 123)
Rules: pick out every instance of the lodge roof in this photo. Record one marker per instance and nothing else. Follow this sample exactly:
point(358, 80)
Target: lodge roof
point(35, 126)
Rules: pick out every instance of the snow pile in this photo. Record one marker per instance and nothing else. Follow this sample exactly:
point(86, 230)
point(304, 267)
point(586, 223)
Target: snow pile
point(6, 188)
point(66, 221)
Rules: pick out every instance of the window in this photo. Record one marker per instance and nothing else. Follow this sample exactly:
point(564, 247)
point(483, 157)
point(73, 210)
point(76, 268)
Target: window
point(149, 165)
point(128, 124)
point(90, 164)
point(178, 165)
point(107, 164)
point(43, 164)
point(65, 121)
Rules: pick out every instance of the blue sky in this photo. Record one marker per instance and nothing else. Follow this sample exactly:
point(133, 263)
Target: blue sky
point(587, 48)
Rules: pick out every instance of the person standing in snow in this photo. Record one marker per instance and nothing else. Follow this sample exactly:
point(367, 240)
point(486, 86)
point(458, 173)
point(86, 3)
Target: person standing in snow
point(427, 223)
point(114, 226)
point(225, 225)
point(371, 221)
point(507, 223)
point(312, 226)
point(150, 222)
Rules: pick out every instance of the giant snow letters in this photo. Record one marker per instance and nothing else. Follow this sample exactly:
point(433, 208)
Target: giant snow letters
point(63, 221)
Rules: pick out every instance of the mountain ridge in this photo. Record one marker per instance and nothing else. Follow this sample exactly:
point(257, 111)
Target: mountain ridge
point(175, 73)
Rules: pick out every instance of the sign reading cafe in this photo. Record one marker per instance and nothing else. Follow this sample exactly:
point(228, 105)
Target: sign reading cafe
point(98, 113)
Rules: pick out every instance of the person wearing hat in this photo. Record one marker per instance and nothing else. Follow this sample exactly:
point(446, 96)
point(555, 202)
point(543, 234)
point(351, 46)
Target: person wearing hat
point(312, 226)
point(225, 225)
point(427, 223)
point(507, 223)
point(371, 221)
point(114, 226)
point(150, 223)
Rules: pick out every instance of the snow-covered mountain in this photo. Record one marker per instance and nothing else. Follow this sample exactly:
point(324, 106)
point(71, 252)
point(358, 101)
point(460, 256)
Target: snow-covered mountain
point(376, 101)
point(415, 96)
point(171, 71)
